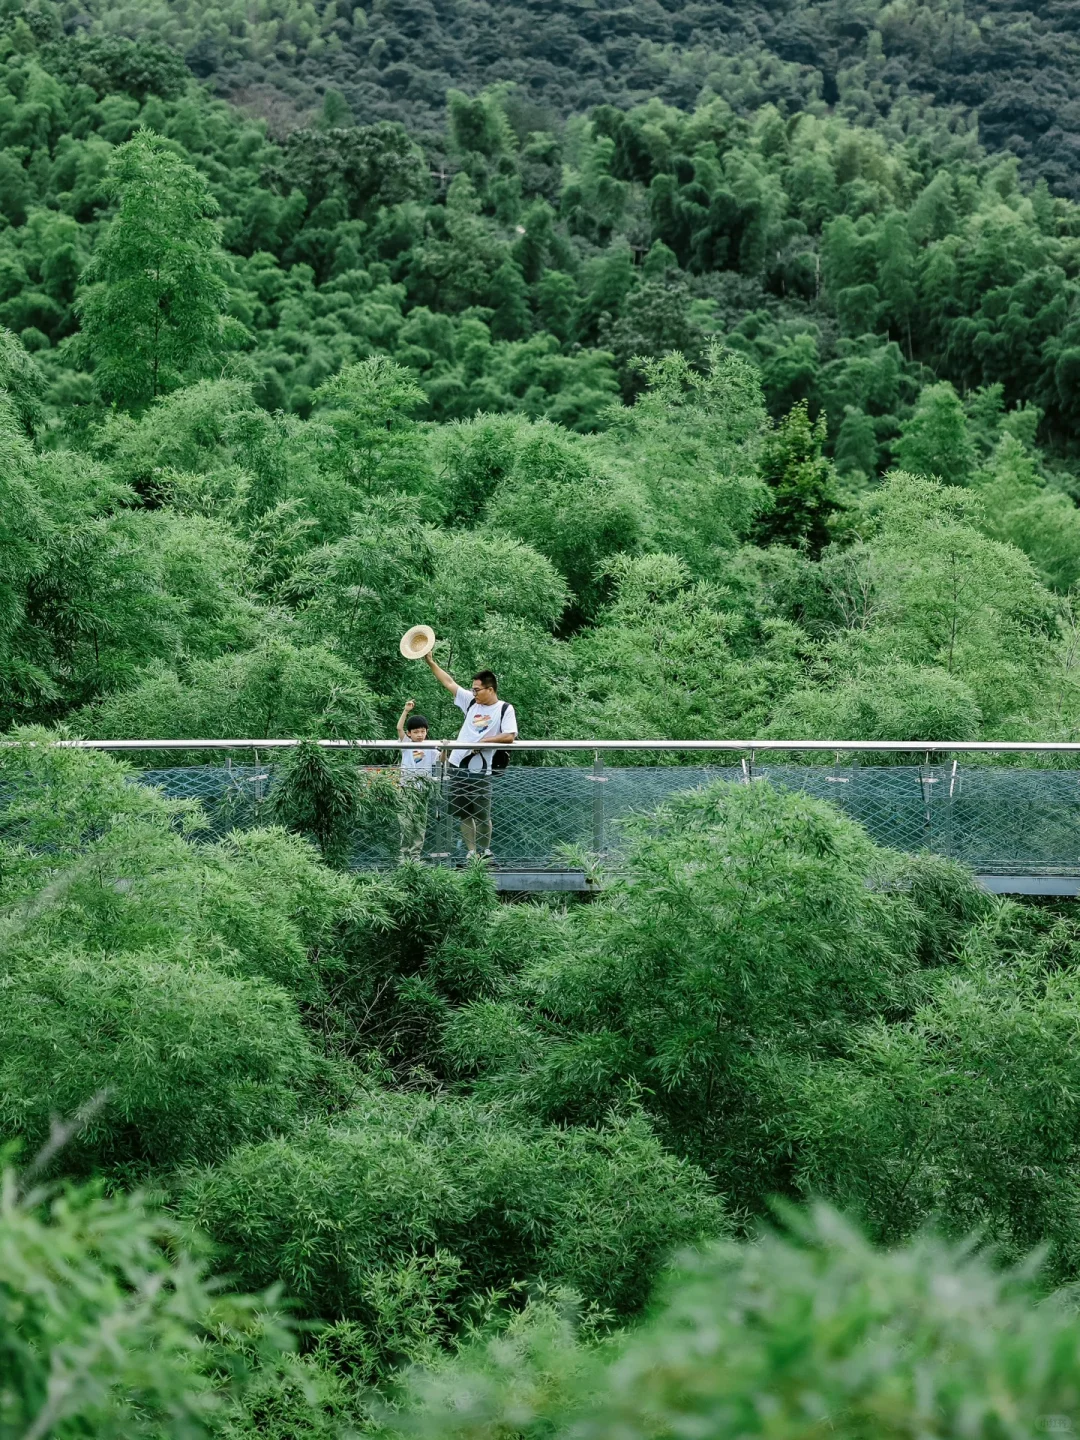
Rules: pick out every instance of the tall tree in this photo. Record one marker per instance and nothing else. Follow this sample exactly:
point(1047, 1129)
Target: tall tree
point(801, 481)
point(153, 314)
point(935, 440)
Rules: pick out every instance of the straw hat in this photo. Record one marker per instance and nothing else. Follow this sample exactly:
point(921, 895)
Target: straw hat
point(418, 642)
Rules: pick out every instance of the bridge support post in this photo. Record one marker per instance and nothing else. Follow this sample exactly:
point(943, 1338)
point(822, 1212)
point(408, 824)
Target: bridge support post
point(948, 845)
point(256, 787)
point(444, 835)
point(598, 836)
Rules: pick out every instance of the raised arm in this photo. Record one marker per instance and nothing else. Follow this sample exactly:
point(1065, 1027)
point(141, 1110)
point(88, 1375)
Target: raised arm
point(410, 705)
point(440, 674)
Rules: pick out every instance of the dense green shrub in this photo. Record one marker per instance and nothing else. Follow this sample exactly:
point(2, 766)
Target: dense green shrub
point(945, 901)
point(409, 1209)
point(296, 1399)
point(896, 702)
point(101, 862)
point(424, 940)
point(88, 857)
point(966, 1115)
point(543, 500)
point(744, 934)
point(275, 689)
point(317, 793)
point(105, 1319)
point(787, 1338)
point(263, 905)
point(192, 1061)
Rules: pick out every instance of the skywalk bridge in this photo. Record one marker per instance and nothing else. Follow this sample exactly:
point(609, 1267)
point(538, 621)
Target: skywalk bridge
point(1010, 811)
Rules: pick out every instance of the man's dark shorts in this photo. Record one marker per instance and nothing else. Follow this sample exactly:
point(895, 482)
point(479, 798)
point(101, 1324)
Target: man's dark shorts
point(470, 795)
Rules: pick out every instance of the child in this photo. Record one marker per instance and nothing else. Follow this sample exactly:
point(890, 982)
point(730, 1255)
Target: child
point(417, 773)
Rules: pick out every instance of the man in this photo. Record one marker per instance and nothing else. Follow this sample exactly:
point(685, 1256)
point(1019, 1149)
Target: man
point(486, 718)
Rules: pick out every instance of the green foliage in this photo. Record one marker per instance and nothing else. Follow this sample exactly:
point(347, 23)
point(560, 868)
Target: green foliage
point(427, 940)
point(691, 445)
point(92, 859)
point(275, 689)
point(924, 622)
point(317, 794)
point(404, 1213)
point(72, 817)
point(22, 382)
point(517, 581)
point(667, 659)
point(366, 408)
point(890, 702)
point(935, 440)
point(152, 316)
point(946, 903)
point(964, 1114)
point(106, 1318)
point(801, 481)
point(563, 505)
point(136, 964)
point(21, 523)
point(277, 386)
point(529, 1372)
point(783, 1337)
point(365, 166)
point(1022, 510)
point(114, 64)
point(476, 455)
point(190, 1060)
point(340, 804)
point(361, 591)
point(966, 615)
point(700, 982)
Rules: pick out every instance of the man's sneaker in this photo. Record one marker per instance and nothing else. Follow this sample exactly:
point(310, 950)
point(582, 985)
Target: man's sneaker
point(485, 855)
point(469, 855)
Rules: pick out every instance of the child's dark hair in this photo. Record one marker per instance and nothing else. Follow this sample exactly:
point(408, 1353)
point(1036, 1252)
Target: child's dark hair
point(487, 677)
point(416, 722)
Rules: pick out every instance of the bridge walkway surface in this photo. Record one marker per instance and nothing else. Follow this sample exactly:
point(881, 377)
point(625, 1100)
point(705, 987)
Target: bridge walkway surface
point(1010, 812)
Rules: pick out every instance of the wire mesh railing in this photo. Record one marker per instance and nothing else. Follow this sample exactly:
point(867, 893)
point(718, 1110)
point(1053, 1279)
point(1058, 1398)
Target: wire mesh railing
point(1005, 809)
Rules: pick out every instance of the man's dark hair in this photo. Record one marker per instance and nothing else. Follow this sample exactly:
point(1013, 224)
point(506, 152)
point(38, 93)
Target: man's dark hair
point(487, 677)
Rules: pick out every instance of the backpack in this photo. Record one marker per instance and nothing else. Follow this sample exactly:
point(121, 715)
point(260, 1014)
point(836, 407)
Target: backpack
point(500, 759)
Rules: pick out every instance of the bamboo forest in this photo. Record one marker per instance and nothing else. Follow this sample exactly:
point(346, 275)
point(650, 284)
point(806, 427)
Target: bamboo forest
point(698, 372)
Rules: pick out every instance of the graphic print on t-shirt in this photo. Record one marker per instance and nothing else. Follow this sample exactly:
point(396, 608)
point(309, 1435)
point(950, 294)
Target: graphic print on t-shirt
point(480, 721)
point(418, 765)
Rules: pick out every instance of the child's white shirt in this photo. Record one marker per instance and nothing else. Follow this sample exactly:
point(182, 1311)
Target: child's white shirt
point(417, 764)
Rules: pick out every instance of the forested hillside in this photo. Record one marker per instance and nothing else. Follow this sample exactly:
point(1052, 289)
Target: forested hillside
point(716, 378)
point(273, 402)
point(906, 65)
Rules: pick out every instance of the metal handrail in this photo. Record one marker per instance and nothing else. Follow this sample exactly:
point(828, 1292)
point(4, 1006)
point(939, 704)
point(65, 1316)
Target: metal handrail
point(906, 747)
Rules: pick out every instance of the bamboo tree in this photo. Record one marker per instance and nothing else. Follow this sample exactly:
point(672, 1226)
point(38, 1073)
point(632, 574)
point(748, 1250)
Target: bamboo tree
point(153, 315)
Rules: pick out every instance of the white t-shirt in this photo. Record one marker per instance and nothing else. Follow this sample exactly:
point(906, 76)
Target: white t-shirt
point(482, 722)
point(417, 765)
